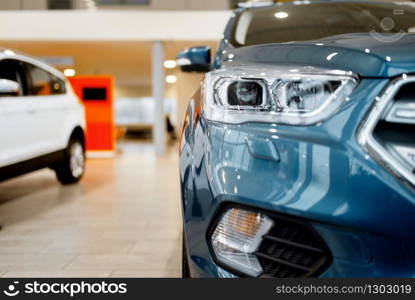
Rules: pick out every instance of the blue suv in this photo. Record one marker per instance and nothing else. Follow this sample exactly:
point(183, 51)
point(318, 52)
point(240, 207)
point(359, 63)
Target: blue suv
point(298, 150)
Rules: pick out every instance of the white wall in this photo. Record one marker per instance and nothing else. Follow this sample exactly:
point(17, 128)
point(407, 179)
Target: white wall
point(10, 4)
point(23, 4)
point(33, 4)
point(177, 5)
point(83, 25)
point(154, 5)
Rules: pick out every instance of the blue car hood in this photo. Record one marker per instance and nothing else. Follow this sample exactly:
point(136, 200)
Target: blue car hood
point(363, 54)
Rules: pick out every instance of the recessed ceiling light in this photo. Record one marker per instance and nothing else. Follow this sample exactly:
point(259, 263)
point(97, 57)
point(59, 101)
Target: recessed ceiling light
point(171, 79)
point(170, 64)
point(69, 72)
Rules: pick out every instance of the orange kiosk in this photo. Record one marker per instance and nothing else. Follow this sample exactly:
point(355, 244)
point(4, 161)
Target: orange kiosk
point(97, 95)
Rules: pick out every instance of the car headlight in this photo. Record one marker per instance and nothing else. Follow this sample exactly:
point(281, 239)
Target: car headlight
point(294, 97)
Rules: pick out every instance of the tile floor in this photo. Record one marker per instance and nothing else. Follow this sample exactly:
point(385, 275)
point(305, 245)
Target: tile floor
point(122, 220)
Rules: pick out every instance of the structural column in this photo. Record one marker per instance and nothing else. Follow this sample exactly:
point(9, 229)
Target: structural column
point(159, 129)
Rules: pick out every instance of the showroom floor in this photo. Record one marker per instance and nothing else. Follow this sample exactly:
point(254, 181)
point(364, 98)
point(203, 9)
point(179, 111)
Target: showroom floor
point(123, 220)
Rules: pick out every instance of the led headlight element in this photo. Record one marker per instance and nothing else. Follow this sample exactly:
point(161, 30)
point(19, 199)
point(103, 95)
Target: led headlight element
point(302, 96)
point(407, 153)
point(237, 236)
point(245, 93)
point(249, 94)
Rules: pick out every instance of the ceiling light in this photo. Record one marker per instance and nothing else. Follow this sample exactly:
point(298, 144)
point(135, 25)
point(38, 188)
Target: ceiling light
point(171, 79)
point(281, 15)
point(170, 64)
point(69, 72)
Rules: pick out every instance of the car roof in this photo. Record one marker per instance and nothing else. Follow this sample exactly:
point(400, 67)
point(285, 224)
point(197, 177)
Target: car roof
point(7, 53)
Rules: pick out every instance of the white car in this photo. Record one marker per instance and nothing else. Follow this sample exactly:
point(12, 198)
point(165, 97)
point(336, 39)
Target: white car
point(42, 122)
point(138, 113)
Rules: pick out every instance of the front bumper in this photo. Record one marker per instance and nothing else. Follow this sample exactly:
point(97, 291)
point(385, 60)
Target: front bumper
point(318, 173)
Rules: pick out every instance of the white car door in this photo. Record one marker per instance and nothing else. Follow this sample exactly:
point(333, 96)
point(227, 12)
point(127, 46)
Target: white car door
point(16, 122)
point(49, 106)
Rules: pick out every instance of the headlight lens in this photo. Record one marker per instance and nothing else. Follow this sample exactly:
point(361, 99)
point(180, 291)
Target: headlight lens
point(239, 95)
point(245, 93)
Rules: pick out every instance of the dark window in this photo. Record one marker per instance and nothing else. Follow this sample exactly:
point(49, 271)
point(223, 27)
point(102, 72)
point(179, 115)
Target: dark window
point(60, 4)
point(11, 69)
point(285, 23)
point(43, 83)
point(94, 94)
point(234, 3)
point(123, 2)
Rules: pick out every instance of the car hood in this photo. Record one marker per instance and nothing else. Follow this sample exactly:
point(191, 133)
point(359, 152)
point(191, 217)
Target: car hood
point(364, 54)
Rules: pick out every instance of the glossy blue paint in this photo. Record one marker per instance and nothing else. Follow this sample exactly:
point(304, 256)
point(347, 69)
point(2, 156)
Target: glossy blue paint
point(262, 148)
point(320, 172)
point(359, 53)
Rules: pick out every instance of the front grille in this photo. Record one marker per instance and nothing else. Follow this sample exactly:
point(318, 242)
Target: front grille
point(292, 249)
point(388, 131)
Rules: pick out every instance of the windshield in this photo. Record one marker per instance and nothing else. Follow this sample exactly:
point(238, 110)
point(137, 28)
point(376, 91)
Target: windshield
point(285, 23)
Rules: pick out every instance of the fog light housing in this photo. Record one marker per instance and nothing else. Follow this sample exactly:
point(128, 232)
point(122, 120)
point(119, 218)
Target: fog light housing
point(237, 236)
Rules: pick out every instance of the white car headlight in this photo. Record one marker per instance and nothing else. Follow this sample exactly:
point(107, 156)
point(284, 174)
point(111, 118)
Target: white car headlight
point(294, 97)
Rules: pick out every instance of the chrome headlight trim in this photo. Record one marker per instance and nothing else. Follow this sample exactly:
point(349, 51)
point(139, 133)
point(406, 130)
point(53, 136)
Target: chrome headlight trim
point(383, 108)
point(270, 77)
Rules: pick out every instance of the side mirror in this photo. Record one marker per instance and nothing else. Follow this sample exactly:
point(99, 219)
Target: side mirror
point(195, 59)
point(9, 88)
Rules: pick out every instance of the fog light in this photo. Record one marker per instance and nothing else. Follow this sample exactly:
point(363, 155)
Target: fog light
point(237, 236)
